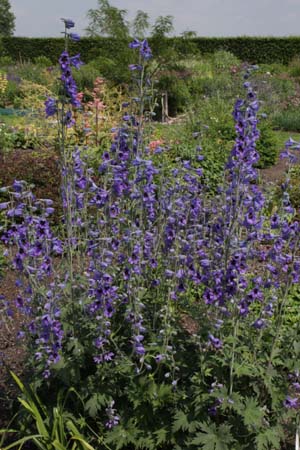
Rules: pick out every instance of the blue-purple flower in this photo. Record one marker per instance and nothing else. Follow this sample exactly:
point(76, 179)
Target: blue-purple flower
point(74, 37)
point(68, 23)
point(50, 107)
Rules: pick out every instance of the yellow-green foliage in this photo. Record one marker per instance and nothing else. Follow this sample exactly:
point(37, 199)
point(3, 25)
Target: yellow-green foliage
point(3, 83)
point(100, 112)
point(33, 95)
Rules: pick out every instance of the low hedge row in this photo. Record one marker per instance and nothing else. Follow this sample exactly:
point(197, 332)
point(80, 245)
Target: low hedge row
point(251, 49)
point(30, 48)
point(254, 50)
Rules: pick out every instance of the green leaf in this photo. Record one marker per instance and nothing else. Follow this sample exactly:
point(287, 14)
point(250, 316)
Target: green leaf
point(276, 357)
point(270, 438)
point(144, 443)
point(241, 370)
point(180, 422)
point(120, 437)
point(77, 436)
point(18, 381)
point(212, 437)
point(22, 441)
point(8, 430)
point(95, 403)
point(32, 408)
point(253, 413)
point(161, 436)
point(58, 446)
point(297, 347)
point(83, 442)
point(32, 404)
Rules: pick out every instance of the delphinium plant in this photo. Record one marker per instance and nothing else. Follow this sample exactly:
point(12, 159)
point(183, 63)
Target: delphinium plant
point(162, 306)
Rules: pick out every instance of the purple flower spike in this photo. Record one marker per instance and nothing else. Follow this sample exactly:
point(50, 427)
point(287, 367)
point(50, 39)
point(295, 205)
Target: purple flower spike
point(68, 23)
point(75, 37)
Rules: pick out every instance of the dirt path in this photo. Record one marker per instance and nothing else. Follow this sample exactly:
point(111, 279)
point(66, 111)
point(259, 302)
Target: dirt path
point(39, 167)
point(10, 348)
point(275, 173)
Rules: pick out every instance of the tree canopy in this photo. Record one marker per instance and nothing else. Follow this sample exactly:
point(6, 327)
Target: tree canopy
point(107, 21)
point(110, 21)
point(7, 19)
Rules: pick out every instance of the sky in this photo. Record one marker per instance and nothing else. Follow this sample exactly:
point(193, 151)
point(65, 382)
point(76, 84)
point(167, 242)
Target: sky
point(41, 18)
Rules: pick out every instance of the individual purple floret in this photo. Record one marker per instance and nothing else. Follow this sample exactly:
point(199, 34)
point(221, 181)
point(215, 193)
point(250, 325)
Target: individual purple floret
point(51, 107)
point(75, 37)
point(113, 418)
point(68, 23)
point(291, 402)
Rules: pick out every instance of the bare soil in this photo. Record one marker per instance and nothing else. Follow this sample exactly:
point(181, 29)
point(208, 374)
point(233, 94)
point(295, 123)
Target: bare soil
point(275, 173)
point(39, 167)
point(11, 350)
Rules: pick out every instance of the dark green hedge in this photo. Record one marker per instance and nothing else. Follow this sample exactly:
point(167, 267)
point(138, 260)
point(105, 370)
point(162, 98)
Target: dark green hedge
point(253, 49)
point(250, 49)
point(89, 48)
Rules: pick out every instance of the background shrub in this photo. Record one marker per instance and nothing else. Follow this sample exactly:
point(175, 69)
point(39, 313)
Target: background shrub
point(294, 67)
point(42, 61)
point(288, 119)
point(86, 76)
point(6, 61)
point(178, 93)
point(222, 86)
point(273, 90)
point(266, 145)
point(224, 60)
point(294, 186)
point(12, 94)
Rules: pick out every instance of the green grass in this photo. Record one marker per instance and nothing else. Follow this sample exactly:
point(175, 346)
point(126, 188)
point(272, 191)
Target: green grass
point(288, 120)
point(176, 133)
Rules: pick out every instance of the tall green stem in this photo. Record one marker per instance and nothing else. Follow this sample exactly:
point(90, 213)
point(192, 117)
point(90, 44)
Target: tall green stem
point(66, 185)
point(232, 362)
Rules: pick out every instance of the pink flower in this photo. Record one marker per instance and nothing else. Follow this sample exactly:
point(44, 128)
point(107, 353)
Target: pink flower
point(154, 144)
